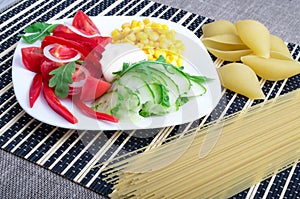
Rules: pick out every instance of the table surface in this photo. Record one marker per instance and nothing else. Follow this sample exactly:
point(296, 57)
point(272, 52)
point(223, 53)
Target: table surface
point(20, 178)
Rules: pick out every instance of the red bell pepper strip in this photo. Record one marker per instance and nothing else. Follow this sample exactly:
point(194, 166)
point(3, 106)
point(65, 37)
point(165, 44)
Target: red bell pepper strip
point(35, 89)
point(90, 112)
point(56, 105)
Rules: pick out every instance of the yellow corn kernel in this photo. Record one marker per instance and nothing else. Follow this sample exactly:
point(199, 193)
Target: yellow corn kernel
point(131, 37)
point(179, 62)
point(164, 26)
point(140, 24)
point(126, 30)
point(156, 26)
point(141, 36)
point(134, 23)
point(125, 25)
point(150, 50)
point(148, 30)
point(146, 21)
point(128, 41)
point(168, 58)
point(151, 43)
point(171, 34)
point(140, 45)
point(175, 56)
point(163, 45)
point(146, 42)
point(159, 52)
point(150, 57)
point(115, 32)
point(162, 38)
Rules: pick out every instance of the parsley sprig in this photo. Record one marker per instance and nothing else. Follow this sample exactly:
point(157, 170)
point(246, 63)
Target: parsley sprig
point(62, 77)
point(37, 31)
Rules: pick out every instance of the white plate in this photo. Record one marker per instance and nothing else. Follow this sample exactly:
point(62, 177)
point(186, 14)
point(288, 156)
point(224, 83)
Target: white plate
point(197, 61)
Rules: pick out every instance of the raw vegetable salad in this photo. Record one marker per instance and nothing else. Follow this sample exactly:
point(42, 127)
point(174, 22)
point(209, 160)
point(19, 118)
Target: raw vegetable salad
point(66, 65)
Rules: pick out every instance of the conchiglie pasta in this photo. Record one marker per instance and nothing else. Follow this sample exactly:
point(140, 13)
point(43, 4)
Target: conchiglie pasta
point(278, 45)
point(226, 39)
point(229, 55)
point(240, 79)
point(280, 55)
point(224, 42)
point(255, 35)
point(272, 69)
point(218, 27)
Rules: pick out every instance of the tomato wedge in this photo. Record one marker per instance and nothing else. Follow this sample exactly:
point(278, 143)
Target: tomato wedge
point(84, 24)
point(47, 67)
point(62, 52)
point(93, 88)
point(32, 58)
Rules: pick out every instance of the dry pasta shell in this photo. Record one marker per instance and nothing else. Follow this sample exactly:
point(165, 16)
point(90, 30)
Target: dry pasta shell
point(218, 27)
point(224, 42)
point(255, 35)
point(280, 55)
point(230, 55)
point(240, 79)
point(223, 46)
point(226, 39)
point(272, 69)
point(278, 45)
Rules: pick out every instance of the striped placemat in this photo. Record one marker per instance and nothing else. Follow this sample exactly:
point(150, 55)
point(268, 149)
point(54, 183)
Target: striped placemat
point(73, 154)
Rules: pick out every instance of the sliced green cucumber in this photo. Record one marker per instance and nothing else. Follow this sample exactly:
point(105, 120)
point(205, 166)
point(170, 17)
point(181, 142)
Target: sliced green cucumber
point(110, 100)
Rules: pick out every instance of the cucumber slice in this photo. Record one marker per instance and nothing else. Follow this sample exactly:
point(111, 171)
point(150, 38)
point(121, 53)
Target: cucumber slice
point(150, 108)
point(177, 76)
point(161, 94)
point(110, 100)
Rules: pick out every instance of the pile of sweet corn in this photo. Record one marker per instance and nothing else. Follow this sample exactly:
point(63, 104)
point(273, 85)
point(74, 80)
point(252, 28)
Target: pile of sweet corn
point(153, 38)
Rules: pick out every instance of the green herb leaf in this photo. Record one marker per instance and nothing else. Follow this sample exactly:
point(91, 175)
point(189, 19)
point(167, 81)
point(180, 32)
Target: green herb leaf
point(37, 31)
point(164, 100)
point(161, 59)
point(181, 101)
point(121, 72)
point(199, 79)
point(61, 79)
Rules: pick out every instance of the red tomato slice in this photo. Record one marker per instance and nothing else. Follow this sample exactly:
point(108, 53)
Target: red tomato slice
point(62, 52)
point(93, 88)
point(92, 62)
point(32, 58)
point(47, 67)
point(84, 24)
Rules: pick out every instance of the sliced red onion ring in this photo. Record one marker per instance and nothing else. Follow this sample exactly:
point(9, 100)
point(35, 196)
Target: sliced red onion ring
point(47, 54)
point(75, 30)
point(78, 84)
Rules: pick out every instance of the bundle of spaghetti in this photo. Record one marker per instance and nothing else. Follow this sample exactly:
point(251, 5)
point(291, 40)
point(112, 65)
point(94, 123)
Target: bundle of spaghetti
point(251, 145)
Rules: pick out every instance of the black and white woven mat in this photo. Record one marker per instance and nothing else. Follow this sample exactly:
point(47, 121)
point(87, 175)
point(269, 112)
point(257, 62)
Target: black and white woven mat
point(72, 154)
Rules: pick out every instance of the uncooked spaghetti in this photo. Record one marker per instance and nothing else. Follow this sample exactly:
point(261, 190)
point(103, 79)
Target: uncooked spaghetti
point(250, 140)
